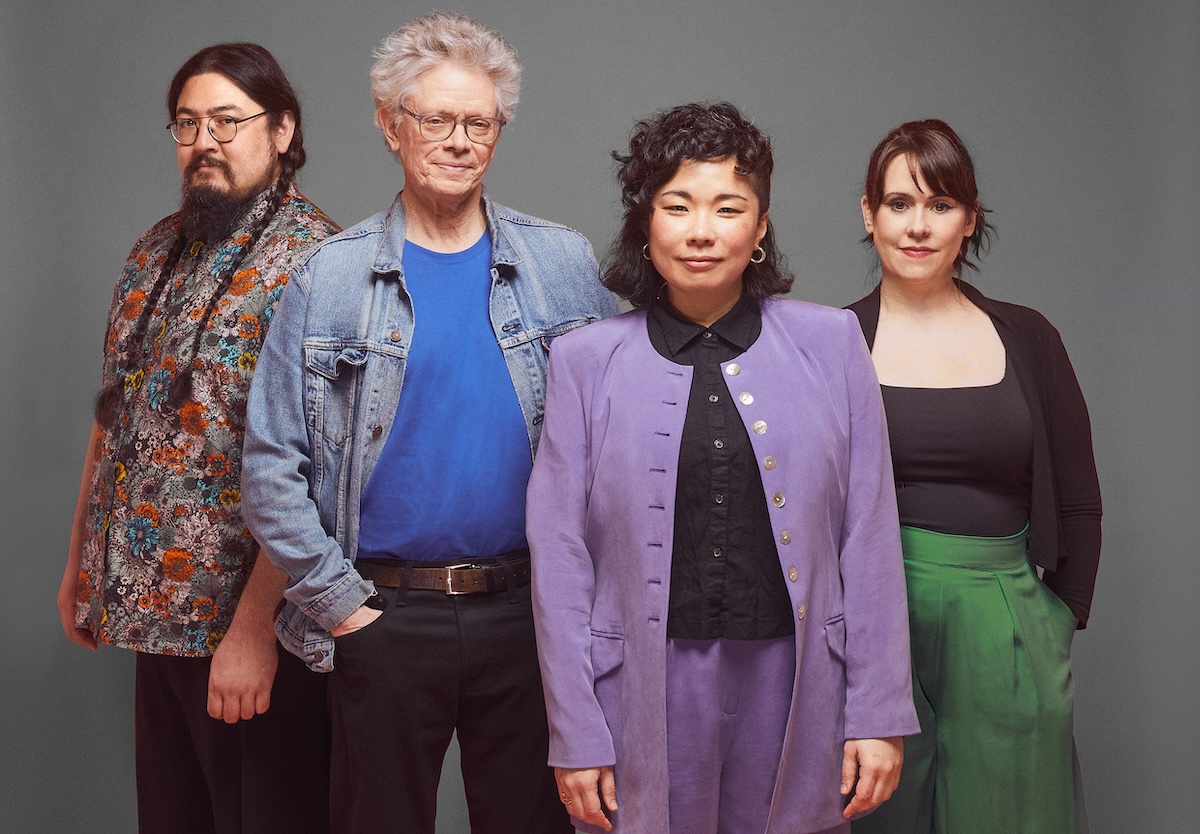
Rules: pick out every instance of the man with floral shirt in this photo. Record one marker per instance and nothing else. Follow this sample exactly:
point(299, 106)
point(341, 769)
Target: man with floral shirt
point(160, 560)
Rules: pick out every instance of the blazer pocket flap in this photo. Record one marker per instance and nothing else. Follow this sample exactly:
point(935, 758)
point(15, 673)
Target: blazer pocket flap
point(835, 636)
point(608, 653)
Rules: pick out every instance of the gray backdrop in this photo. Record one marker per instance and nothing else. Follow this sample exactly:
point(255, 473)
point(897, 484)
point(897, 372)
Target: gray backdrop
point(1083, 118)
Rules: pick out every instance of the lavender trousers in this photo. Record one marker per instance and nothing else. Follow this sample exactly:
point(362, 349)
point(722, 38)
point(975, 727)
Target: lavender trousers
point(727, 711)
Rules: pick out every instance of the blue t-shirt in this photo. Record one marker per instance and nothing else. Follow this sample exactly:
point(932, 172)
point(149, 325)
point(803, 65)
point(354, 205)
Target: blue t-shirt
point(451, 479)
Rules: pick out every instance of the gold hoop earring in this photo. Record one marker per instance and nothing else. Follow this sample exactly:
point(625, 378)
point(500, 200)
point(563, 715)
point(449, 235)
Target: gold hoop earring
point(646, 251)
point(762, 255)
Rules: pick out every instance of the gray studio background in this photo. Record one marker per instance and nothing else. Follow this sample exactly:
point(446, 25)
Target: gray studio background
point(1083, 118)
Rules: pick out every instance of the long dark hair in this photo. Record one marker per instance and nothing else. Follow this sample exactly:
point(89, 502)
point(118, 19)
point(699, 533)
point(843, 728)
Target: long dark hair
point(940, 157)
point(257, 74)
point(700, 132)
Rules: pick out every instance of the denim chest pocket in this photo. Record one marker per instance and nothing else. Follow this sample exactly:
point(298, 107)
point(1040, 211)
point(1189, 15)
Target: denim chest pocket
point(330, 386)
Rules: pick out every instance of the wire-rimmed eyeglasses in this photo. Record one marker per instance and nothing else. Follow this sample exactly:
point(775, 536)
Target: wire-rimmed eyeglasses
point(482, 130)
point(221, 127)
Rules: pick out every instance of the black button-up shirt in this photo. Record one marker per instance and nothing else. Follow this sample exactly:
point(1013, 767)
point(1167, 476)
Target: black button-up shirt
point(725, 575)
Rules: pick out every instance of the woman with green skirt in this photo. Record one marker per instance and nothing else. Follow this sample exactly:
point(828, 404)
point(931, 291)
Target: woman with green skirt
point(999, 508)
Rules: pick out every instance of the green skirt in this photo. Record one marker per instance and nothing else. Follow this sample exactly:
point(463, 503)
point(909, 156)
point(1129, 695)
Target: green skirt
point(992, 686)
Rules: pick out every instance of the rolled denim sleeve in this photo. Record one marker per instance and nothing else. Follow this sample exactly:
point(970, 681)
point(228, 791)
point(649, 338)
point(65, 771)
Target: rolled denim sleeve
point(278, 473)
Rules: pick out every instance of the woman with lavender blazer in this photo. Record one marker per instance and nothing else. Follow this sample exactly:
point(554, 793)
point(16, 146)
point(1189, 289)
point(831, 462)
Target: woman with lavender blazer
point(720, 604)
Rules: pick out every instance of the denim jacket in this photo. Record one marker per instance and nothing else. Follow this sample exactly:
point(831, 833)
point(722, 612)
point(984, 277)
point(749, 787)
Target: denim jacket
point(331, 372)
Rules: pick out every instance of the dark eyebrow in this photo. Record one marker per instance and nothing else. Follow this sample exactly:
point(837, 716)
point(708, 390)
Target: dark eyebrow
point(212, 111)
point(891, 195)
point(720, 197)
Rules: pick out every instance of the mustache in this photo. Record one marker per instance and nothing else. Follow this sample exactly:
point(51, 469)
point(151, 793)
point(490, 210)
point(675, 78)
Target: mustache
point(207, 159)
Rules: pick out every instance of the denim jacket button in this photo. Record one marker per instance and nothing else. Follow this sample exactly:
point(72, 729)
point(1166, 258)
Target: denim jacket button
point(377, 432)
point(395, 335)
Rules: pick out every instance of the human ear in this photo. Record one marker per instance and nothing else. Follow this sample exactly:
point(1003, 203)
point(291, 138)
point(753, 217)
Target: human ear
point(284, 131)
point(972, 218)
point(390, 126)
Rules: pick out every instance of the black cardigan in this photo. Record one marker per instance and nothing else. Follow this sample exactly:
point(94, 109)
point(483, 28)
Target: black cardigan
point(1064, 523)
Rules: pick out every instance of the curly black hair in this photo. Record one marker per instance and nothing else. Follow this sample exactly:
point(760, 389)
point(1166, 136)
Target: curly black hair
point(701, 132)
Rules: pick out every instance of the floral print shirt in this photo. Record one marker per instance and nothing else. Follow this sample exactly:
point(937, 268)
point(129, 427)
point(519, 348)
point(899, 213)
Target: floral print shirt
point(165, 552)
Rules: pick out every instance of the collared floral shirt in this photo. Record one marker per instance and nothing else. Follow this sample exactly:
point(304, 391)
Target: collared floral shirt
point(165, 552)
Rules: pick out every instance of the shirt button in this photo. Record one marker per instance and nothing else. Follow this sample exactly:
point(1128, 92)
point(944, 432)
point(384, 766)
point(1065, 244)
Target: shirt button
point(708, 334)
point(733, 369)
point(793, 574)
point(769, 462)
point(760, 427)
point(778, 500)
point(718, 498)
point(746, 397)
point(717, 552)
point(395, 335)
point(713, 398)
point(377, 432)
point(720, 444)
point(785, 537)
point(800, 612)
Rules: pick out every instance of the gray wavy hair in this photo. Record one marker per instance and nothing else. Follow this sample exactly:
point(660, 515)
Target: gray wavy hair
point(421, 44)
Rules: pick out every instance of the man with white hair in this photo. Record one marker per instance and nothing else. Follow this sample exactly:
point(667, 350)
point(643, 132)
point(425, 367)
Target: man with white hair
point(396, 409)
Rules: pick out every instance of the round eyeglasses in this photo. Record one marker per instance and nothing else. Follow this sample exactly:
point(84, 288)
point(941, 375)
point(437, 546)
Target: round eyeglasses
point(221, 127)
point(482, 130)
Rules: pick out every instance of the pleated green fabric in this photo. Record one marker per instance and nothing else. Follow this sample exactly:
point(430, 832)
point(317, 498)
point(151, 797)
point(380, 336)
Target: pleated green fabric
point(992, 685)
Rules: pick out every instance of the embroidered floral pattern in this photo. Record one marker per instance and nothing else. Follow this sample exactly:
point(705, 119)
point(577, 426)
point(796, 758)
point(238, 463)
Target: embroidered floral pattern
point(166, 553)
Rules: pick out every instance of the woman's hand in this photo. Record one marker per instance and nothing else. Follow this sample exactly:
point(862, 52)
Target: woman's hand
point(582, 790)
point(871, 768)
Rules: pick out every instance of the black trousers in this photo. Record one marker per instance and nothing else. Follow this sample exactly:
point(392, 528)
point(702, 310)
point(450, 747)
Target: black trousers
point(199, 775)
point(403, 685)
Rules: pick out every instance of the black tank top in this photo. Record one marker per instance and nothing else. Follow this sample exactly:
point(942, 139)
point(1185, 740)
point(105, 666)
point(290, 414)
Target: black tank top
point(962, 457)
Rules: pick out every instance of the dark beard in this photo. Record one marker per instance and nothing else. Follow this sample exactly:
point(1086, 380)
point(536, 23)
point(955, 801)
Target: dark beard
point(211, 215)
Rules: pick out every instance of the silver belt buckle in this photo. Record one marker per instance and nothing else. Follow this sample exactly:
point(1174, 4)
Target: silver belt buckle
point(450, 589)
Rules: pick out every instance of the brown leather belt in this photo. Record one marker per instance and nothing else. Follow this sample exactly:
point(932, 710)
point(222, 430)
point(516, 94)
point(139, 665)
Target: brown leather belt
point(458, 578)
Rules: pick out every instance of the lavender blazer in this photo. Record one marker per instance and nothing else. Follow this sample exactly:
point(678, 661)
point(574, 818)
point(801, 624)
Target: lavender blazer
point(600, 522)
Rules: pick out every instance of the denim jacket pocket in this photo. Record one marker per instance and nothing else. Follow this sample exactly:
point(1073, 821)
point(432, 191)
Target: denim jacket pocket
point(331, 372)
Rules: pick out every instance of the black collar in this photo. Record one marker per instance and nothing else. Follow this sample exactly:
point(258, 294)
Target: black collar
point(739, 327)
